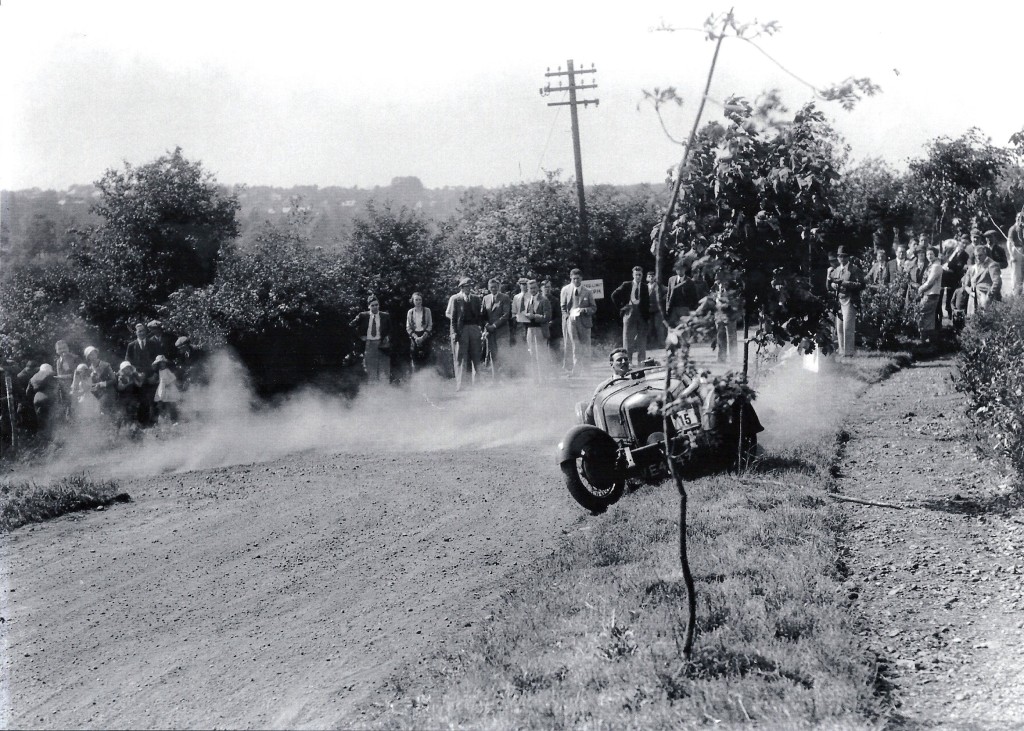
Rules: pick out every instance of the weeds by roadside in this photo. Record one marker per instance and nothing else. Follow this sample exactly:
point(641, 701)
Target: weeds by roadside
point(27, 502)
point(593, 636)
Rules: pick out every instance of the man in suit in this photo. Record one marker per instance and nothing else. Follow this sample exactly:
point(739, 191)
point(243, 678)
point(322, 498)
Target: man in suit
point(633, 300)
point(846, 281)
point(578, 309)
point(465, 311)
point(141, 353)
point(497, 309)
point(374, 329)
point(883, 270)
point(537, 312)
point(682, 296)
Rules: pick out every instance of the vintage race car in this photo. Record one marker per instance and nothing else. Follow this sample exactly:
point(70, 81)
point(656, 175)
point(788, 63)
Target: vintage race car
point(618, 438)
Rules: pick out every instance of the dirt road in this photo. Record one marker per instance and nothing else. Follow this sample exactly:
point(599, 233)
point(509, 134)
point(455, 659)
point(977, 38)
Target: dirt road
point(940, 584)
point(273, 595)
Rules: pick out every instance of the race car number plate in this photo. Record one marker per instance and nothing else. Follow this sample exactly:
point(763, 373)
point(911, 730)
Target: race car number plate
point(687, 419)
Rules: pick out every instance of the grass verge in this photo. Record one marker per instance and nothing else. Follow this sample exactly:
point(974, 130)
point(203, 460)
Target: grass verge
point(591, 637)
point(28, 502)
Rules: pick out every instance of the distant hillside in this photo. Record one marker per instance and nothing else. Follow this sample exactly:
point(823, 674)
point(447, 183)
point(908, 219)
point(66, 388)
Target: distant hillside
point(33, 222)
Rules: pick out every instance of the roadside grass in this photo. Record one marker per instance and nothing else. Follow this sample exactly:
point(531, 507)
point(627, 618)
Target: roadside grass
point(591, 636)
point(28, 502)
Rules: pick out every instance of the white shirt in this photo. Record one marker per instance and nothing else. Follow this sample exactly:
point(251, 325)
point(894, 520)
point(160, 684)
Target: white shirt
point(373, 326)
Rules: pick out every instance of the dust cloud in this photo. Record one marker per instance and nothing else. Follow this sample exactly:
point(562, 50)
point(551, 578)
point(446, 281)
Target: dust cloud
point(797, 405)
point(226, 425)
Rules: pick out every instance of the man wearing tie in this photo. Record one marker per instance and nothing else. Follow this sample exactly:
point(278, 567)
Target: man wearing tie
point(465, 313)
point(578, 310)
point(374, 328)
point(633, 300)
point(497, 309)
point(516, 324)
point(682, 297)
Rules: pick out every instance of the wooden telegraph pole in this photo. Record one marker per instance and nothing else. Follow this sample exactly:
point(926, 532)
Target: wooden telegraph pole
point(573, 102)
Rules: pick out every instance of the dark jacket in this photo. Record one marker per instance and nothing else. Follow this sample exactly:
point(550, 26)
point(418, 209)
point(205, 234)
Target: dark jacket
point(361, 323)
point(624, 293)
point(142, 357)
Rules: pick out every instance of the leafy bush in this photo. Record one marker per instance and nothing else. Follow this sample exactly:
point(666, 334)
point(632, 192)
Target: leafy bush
point(38, 306)
point(991, 373)
point(886, 318)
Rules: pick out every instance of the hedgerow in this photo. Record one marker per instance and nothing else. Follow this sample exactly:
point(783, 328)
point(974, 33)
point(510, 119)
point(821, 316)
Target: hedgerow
point(991, 374)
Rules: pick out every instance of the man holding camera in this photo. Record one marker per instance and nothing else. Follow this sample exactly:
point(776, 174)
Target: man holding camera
point(846, 281)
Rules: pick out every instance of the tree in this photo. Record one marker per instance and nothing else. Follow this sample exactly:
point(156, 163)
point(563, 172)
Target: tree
point(953, 179)
point(163, 226)
point(392, 254)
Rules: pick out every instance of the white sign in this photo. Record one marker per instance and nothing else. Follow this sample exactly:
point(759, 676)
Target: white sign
point(596, 286)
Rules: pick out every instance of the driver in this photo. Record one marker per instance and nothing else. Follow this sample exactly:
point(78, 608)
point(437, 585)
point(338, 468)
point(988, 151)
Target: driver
point(618, 359)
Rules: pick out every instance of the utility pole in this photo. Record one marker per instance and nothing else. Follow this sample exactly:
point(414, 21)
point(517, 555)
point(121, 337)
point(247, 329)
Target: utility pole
point(573, 102)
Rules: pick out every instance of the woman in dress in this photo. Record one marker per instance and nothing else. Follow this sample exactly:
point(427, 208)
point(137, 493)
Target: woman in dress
point(419, 324)
point(930, 291)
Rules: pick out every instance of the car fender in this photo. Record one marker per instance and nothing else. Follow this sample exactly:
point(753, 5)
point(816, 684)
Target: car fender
point(580, 438)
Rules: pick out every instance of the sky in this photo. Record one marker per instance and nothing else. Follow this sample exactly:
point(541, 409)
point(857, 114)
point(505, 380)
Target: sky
point(354, 94)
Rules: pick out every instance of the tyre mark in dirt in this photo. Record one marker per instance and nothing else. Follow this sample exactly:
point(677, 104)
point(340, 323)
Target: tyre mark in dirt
point(939, 583)
point(276, 594)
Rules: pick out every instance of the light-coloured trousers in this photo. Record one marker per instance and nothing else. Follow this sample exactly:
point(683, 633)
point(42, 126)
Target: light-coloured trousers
point(536, 350)
point(577, 344)
point(846, 328)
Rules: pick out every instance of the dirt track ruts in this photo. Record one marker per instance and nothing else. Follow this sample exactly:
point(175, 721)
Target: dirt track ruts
point(270, 595)
point(940, 584)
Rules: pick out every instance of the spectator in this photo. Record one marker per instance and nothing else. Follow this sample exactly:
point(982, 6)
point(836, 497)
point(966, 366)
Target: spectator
point(140, 353)
point(1015, 254)
point(84, 403)
point(24, 410)
point(578, 308)
point(953, 266)
point(168, 395)
point(537, 312)
point(103, 379)
point(987, 279)
point(930, 291)
point(996, 248)
point(517, 325)
point(497, 311)
point(633, 300)
point(464, 312)
point(916, 273)
point(419, 325)
point(190, 363)
point(727, 306)
point(655, 320)
point(374, 328)
point(553, 327)
point(682, 294)
point(64, 366)
point(161, 343)
point(883, 272)
point(846, 282)
point(130, 387)
point(47, 400)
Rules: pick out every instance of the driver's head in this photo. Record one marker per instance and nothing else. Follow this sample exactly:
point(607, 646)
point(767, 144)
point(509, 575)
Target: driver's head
point(619, 361)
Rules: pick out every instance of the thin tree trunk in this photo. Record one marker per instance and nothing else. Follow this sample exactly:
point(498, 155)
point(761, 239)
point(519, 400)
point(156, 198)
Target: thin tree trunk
point(671, 349)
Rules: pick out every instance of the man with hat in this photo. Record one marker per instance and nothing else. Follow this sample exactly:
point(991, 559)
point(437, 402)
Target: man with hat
point(160, 340)
point(464, 311)
point(846, 281)
point(497, 311)
point(634, 303)
point(374, 329)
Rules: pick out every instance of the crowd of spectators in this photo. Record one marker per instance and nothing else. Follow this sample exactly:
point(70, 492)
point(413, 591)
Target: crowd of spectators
point(949, 280)
point(145, 388)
